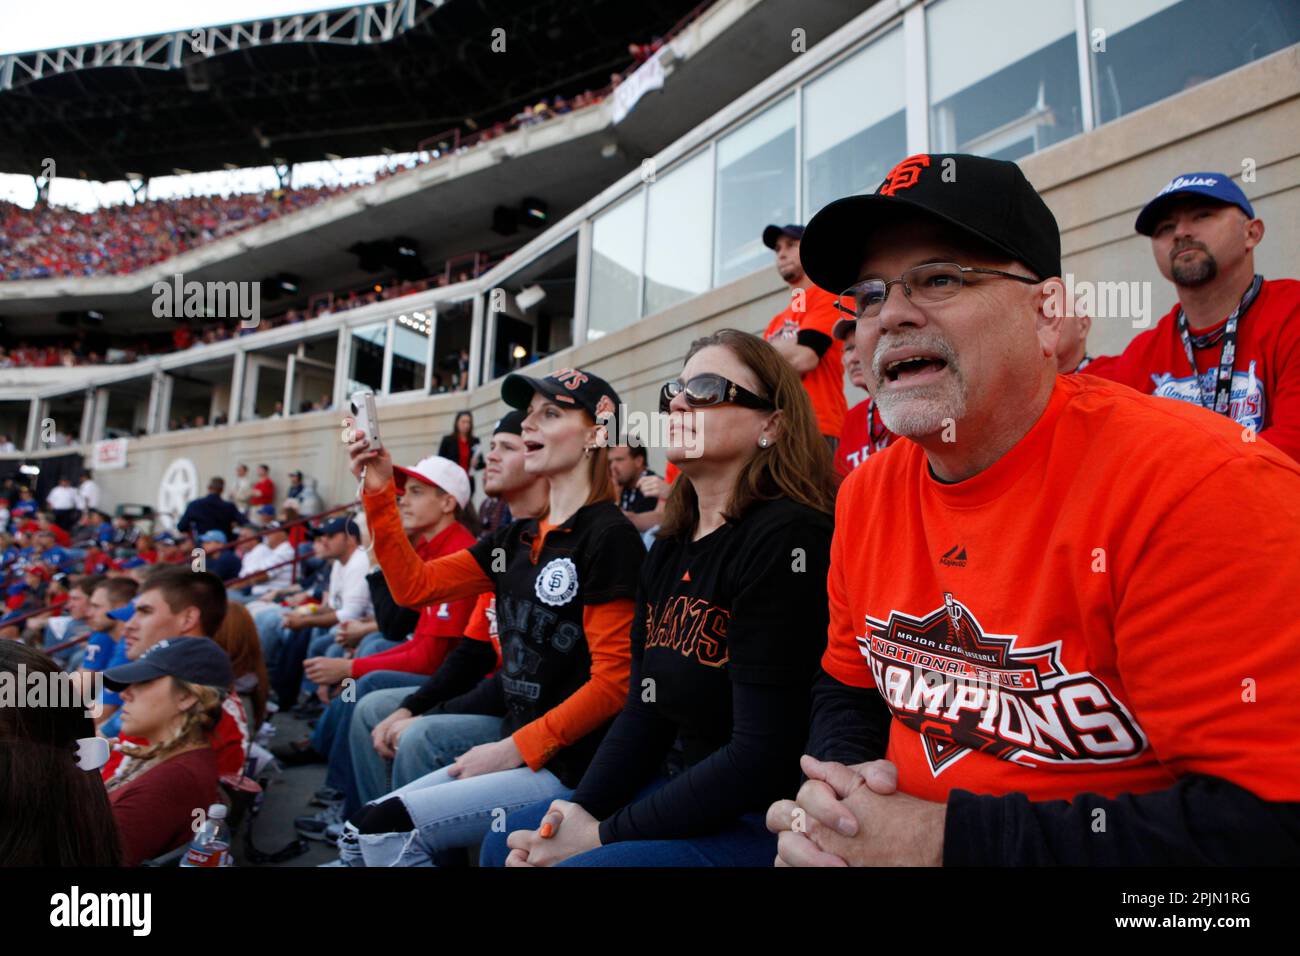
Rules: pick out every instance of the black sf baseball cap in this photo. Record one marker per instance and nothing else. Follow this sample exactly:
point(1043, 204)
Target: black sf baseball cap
point(989, 200)
point(567, 386)
point(198, 660)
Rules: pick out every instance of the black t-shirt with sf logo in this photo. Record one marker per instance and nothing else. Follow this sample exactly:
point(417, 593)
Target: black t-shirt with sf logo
point(726, 642)
point(593, 558)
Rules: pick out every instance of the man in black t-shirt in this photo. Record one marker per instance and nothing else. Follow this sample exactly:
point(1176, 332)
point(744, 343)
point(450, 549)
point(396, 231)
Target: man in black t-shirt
point(627, 468)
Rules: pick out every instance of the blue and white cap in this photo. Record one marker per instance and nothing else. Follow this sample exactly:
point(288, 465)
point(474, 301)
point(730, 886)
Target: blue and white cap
point(1215, 185)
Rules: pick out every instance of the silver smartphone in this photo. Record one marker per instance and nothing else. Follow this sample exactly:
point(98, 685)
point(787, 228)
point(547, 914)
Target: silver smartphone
point(365, 418)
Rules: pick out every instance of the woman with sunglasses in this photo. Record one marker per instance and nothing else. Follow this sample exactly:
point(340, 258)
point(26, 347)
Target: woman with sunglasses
point(564, 585)
point(731, 623)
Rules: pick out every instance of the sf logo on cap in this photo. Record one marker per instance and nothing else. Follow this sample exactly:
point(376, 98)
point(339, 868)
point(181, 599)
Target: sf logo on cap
point(570, 378)
point(904, 175)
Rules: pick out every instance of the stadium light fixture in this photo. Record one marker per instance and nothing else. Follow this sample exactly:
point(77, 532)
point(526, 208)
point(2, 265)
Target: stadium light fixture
point(529, 297)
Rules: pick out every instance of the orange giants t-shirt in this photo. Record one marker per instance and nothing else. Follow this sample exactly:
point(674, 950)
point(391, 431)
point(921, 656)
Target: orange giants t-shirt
point(1108, 607)
point(815, 311)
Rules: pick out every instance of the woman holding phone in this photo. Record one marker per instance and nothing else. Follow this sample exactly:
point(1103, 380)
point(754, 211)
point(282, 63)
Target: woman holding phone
point(564, 584)
point(731, 624)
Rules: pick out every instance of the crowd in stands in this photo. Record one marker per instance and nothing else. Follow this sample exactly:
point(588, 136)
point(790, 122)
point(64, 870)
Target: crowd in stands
point(949, 626)
point(53, 241)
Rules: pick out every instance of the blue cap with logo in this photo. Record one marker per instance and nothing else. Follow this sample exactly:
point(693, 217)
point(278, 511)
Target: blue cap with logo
point(198, 660)
point(1214, 185)
point(165, 537)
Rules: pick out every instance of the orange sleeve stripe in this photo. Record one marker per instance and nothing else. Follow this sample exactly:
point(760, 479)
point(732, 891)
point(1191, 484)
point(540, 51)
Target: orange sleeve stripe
point(412, 581)
point(608, 628)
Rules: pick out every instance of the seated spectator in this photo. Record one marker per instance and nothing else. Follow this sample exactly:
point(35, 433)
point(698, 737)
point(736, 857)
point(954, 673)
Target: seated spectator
point(627, 465)
point(431, 496)
point(1071, 501)
point(173, 696)
point(175, 602)
point(237, 636)
point(537, 722)
point(736, 694)
point(221, 561)
point(864, 433)
point(1230, 345)
point(290, 636)
point(54, 805)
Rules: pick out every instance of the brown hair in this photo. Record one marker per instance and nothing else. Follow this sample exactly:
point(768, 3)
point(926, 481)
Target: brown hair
point(87, 583)
point(602, 482)
point(120, 590)
point(182, 588)
point(54, 813)
point(798, 466)
point(197, 727)
point(237, 636)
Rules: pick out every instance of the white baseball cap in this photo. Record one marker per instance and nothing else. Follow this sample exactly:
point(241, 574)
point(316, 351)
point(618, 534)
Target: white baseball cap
point(437, 471)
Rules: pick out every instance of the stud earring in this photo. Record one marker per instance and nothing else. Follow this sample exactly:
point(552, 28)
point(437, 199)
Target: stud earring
point(762, 442)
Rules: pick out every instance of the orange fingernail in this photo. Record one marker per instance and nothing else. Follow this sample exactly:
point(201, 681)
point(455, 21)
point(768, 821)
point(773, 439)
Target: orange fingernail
point(546, 831)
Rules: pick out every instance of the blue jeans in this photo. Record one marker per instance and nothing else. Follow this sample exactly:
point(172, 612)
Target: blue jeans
point(452, 814)
point(744, 842)
point(330, 738)
point(374, 644)
point(369, 770)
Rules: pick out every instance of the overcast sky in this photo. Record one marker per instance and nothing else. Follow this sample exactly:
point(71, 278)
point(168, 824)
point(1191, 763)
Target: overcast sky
point(42, 24)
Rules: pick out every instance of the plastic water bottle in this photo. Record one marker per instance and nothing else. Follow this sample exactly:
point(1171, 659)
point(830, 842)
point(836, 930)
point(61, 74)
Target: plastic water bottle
point(211, 845)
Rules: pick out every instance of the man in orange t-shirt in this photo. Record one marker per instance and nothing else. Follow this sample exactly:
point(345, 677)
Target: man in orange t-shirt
point(1027, 624)
point(802, 334)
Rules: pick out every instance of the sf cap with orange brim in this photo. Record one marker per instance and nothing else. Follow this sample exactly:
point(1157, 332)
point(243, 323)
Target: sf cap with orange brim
point(987, 200)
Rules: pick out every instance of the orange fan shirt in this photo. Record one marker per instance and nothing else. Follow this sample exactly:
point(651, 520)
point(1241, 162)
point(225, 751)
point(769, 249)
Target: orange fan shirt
point(1106, 608)
point(815, 311)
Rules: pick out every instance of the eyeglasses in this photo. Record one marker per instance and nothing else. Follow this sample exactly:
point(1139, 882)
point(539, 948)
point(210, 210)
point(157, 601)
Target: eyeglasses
point(705, 390)
point(927, 284)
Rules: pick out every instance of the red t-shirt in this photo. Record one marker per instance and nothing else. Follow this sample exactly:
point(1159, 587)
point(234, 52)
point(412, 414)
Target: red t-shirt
point(440, 625)
point(483, 624)
point(1265, 378)
point(864, 433)
point(813, 310)
point(154, 813)
point(263, 492)
point(1088, 614)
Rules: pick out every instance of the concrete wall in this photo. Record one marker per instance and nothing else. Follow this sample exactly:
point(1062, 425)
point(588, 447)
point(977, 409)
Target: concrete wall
point(1095, 184)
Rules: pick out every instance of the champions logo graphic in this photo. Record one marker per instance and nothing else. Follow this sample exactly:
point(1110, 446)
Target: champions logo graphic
point(1245, 406)
point(962, 690)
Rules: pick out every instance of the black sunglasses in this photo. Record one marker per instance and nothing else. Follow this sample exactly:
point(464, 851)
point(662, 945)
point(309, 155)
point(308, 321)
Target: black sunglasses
point(709, 389)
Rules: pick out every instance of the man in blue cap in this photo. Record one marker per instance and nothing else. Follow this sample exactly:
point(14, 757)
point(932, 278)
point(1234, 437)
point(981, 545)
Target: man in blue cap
point(221, 561)
point(1232, 343)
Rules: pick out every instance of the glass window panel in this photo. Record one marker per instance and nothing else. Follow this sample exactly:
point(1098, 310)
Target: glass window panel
point(679, 231)
point(755, 186)
point(1003, 76)
point(410, 352)
point(617, 239)
point(1210, 36)
point(850, 151)
point(366, 363)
